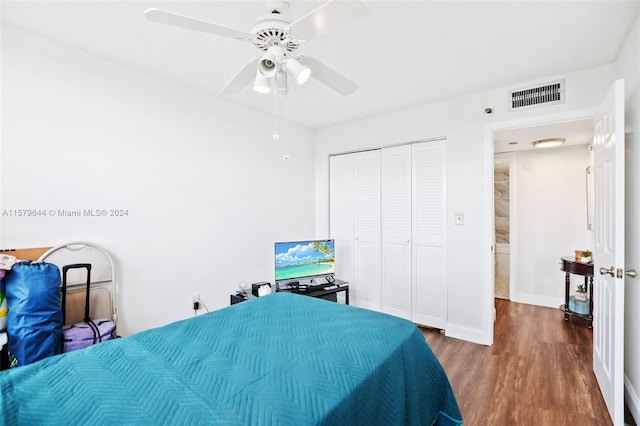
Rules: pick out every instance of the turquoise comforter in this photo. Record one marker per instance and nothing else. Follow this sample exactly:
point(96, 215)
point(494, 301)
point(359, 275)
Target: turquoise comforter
point(281, 359)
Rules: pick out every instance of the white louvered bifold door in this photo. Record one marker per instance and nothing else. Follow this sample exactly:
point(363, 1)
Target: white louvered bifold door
point(341, 214)
point(367, 230)
point(354, 221)
point(429, 281)
point(396, 231)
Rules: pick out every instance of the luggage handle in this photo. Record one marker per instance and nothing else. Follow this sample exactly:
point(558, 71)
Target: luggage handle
point(65, 268)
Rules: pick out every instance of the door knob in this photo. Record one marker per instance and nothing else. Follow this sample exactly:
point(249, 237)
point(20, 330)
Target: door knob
point(611, 271)
point(631, 273)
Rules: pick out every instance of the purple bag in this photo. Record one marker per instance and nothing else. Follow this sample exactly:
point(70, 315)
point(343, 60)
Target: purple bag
point(83, 334)
point(89, 332)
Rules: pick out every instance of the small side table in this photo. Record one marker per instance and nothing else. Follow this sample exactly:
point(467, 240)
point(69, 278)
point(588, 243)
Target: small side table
point(570, 266)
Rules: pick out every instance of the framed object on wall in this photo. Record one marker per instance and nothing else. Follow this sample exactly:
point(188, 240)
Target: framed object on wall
point(589, 176)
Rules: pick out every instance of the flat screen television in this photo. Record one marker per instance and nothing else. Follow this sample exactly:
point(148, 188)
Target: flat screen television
point(304, 259)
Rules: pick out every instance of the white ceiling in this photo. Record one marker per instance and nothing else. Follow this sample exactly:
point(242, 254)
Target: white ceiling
point(577, 132)
point(404, 53)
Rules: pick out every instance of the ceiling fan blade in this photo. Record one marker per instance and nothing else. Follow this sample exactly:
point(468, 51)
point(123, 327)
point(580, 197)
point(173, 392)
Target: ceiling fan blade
point(327, 17)
point(170, 18)
point(241, 79)
point(328, 76)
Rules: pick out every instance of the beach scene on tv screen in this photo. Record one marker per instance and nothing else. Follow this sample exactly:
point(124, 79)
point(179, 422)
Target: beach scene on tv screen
point(304, 259)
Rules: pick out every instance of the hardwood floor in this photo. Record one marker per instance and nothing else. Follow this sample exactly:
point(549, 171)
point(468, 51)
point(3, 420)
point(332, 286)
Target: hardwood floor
point(538, 372)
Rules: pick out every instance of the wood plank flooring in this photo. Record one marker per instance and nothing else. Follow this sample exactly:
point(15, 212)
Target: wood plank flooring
point(538, 372)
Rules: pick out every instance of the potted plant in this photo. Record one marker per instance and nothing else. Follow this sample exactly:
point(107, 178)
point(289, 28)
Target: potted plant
point(581, 293)
point(583, 256)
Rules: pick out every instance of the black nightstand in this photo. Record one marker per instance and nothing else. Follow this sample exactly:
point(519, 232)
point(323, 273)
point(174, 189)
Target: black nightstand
point(240, 297)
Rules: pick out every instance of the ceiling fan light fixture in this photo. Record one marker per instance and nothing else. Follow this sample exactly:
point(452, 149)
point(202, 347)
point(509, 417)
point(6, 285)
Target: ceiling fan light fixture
point(268, 65)
point(300, 72)
point(261, 84)
point(270, 61)
point(548, 143)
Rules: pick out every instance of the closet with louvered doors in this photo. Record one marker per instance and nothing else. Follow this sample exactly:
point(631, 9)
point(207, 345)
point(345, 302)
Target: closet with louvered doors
point(387, 214)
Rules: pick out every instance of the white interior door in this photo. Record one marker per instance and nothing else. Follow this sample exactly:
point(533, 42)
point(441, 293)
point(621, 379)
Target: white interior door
point(429, 267)
point(396, 231)
point(367, 230)
point(341, 206)
point(608, 299)
point(354, 222)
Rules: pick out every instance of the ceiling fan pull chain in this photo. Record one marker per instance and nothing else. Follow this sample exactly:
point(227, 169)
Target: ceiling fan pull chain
point(276, 136)
point(286, 126)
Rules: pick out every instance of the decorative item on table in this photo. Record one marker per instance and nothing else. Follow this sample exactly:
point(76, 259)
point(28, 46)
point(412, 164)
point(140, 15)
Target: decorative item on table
point(583, 256)
point(581, 293)
point(579, 306)
point(261, 289)
point(243, 287)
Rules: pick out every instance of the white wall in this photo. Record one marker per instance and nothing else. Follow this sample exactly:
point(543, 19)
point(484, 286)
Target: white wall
point(550, 220)
point(628, 67)
point(470, 177)
point(206, 188)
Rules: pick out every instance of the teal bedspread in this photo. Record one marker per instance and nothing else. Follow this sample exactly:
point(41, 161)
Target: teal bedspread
point(281, 359)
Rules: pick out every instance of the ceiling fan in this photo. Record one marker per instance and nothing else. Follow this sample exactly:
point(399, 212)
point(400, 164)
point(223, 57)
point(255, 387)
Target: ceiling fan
point(278, 38)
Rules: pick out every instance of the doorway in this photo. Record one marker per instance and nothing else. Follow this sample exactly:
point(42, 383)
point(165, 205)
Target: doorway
point(610, 115)
point(540, 208)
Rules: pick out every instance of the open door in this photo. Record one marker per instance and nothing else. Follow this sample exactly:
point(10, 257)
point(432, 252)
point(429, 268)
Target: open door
point(608, 298)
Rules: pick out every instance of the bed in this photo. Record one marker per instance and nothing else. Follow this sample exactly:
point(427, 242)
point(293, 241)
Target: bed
point(282, 359)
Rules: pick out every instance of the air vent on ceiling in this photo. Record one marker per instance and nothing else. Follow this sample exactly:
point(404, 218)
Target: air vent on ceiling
point(546, 94)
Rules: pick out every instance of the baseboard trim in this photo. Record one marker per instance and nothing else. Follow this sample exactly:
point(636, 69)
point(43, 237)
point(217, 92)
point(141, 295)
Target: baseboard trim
point(631, 399)
point(532, 299)
point(473, 335)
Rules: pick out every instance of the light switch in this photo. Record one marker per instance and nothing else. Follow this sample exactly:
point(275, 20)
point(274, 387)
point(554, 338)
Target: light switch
point(459, 218)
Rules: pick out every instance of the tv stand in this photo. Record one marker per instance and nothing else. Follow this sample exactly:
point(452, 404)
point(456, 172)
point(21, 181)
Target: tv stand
point(328, 291)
